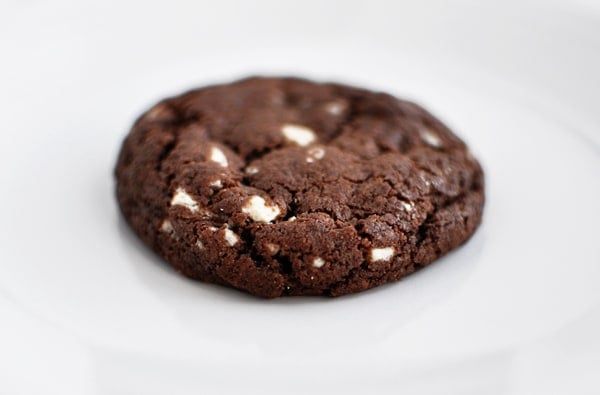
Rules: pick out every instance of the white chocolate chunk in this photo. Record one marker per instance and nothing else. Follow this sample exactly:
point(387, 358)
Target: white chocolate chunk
point(318, 262)
point(335, 107)
point(251, 170)
point(182, 198)
point(316, 153)
point(257, 209)
point(216, 155)
point(200, 245)
point(273, 248)
point(216, 184)
point(167, 227)
point(298, 134)
point(408, 206)
point(382, 254)
point(292, 218)
point(231, 237)
point(430, 138)
point(212, 228)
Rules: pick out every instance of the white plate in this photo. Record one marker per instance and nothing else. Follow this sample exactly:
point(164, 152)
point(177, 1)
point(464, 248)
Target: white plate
point(87, 309)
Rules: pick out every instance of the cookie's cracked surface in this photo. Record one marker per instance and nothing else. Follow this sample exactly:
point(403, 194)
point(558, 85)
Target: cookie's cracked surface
point(288, 187)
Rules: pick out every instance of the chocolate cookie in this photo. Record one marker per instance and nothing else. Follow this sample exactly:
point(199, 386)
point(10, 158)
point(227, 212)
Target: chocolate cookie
point(282, 186)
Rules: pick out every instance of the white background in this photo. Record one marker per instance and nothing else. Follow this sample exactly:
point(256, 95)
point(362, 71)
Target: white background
point(85, 309)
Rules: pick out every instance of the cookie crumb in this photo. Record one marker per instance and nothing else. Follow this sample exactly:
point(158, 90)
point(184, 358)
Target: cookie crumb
point(318, 262)
point(292, 218)
point(182, 198)
point(231, 237)
point(216, 155)
point(382, 254)
point(298, 134)
point(430, 138)
point(257, 209)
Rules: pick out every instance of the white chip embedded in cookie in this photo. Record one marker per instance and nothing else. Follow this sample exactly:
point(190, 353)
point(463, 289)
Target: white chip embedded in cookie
point(182, 198)
point(430, 137)
point(318, 262)
point(298, 134)
point(216, 155)
point(257, 208)
point(315, 153)
point(231, 237)
point(382, 254)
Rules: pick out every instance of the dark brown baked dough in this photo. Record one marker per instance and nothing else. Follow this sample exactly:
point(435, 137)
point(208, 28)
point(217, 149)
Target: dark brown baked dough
point(282, 186)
